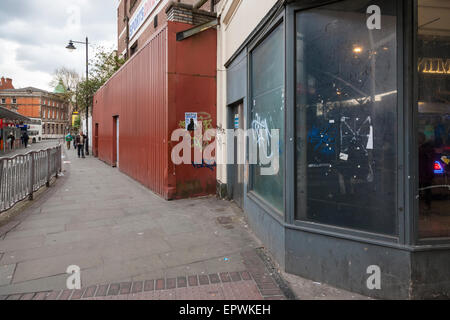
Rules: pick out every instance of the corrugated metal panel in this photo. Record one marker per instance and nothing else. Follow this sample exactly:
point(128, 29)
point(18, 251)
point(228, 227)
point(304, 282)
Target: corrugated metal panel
point(136, 95)
point(192, 76)
point(150, 95)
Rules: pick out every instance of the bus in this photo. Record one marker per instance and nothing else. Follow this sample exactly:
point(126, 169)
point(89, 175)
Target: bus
point(35, 130)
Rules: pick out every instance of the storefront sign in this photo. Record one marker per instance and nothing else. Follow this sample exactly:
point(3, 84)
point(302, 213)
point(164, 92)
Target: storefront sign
point(434, 66)
point(141, 15)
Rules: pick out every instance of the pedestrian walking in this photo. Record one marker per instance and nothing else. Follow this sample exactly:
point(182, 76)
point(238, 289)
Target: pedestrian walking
point(69, 139)
point(80, 141)
point(74, 136)
point(11, 140)
point(25, 138)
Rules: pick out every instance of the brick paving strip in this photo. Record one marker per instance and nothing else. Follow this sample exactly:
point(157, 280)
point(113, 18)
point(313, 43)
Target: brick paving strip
point(255, 283)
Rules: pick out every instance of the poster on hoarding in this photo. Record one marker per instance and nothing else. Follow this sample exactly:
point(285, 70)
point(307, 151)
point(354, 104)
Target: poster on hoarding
point(191, 121)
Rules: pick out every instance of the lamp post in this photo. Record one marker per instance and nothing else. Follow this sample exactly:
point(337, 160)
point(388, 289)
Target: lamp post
point(71, 47)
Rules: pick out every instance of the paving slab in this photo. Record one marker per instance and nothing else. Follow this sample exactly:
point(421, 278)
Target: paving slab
point(36, 269)
point(7, 245)
point(49, 283)
point(34, 232)
point(6, 274)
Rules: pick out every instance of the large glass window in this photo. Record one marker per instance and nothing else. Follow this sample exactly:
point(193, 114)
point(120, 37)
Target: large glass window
point(346, 115)
point(267, 113)
point(434, 118)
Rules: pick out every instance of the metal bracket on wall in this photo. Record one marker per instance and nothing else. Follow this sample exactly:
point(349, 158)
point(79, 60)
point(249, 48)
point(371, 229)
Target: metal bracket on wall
point(197, 29)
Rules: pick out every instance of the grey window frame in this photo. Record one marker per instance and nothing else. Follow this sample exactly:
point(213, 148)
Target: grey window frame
point(407, 153)
point(277, 21)
point(330, 230)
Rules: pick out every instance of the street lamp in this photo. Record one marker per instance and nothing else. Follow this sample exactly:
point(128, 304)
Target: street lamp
point(71, 47)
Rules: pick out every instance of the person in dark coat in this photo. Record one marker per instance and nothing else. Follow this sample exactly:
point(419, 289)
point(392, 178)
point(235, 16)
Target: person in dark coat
point(25, 138)
point(80, 140)
point(11, 139)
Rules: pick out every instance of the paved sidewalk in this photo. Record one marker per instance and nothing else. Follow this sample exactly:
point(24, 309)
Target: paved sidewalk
point(119, 232)
point(254, 285)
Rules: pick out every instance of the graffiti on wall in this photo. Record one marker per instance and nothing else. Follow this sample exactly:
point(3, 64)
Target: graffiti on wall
point(261, 132)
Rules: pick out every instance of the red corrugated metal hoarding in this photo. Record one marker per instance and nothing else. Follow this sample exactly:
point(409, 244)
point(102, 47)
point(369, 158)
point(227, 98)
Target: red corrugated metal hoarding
point(147, 100)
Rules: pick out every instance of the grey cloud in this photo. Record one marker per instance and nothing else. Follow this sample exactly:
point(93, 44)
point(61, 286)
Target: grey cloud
point(41, 30)
point(36, 22)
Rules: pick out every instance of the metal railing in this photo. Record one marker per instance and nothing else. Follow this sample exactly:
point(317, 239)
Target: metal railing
point(22, 175)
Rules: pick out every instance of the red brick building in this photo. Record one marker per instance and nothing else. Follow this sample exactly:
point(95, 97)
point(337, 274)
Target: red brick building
point(35, 103)
point(137, 20)
point(6, 83)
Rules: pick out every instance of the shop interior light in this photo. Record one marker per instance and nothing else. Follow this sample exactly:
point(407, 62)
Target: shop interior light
point(357, 49)
point(438, 168)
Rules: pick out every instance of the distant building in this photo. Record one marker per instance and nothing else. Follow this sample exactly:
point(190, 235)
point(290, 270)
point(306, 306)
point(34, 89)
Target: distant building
point(6, 83)
point(35, 103)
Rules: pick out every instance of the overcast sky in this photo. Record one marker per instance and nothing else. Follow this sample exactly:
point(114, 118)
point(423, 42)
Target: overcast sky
point(34, 34)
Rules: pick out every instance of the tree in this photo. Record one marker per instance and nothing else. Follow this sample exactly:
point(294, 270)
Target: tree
point(105, 64)
point(102, 67)
point(69, 78)
point(77, 123)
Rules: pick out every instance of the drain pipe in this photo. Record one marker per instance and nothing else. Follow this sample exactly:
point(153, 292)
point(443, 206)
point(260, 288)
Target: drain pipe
point(127, 20)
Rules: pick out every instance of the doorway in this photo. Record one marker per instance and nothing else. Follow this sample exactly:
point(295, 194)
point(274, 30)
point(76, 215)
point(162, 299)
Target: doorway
point(116, 141)
point(96, 140)
point(236, 122)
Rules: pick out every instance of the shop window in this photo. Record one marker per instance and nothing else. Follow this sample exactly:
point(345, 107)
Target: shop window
point(3, 101)
point(346, 115)
point(267, 113)
point(434, 118)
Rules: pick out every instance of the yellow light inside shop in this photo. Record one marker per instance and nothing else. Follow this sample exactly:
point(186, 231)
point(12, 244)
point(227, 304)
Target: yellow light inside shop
point(357, 49)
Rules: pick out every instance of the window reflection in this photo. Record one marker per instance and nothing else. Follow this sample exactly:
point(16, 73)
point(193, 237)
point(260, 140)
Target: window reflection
point(346, 113)
point(267, 113)
point(434, 118)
